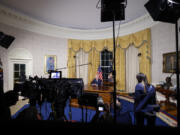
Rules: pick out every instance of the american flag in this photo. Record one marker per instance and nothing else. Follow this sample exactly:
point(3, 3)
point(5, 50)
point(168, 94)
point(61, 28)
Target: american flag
point(99, 73)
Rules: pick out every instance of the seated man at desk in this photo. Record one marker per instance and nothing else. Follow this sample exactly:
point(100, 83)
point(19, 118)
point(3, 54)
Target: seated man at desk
point(168, 83)
point(97, 81)
point(110, 77)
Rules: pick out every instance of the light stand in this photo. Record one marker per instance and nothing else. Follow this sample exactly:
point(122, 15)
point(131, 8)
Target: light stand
point(177, 74)
point(70, 110)
point(86, 114)
point(168, 11)
point(113, 10)
point(114, 64)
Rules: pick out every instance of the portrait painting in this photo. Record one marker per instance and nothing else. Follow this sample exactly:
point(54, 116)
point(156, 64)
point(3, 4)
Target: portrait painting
point(50, 63)
point(169, 62)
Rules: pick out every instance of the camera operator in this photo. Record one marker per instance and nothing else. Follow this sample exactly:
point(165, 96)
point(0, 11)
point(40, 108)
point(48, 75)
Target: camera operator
point(103, 117)
point(6, 100)
point(122, 117)
point(5, 113)
point(145, 101)
point(30, 113)
point(63, 87)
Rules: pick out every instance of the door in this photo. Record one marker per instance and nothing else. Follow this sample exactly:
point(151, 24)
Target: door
point(17, 69)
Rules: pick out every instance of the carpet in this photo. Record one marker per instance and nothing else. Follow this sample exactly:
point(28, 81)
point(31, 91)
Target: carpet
point(85, 115)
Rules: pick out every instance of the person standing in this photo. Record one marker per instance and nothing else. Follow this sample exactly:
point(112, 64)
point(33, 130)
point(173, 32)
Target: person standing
point(144, 101)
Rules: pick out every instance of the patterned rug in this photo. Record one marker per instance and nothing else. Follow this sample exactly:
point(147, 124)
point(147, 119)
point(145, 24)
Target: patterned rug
point(85, 115)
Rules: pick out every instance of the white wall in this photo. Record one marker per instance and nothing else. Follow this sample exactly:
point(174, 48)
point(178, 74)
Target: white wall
point(4, 59)
point(163, 41)
point(38, 45)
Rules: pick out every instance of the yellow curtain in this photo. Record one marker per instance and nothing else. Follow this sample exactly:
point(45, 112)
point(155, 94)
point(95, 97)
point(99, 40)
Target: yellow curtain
point(141, 40)
point(94, 60)
point(120, 69)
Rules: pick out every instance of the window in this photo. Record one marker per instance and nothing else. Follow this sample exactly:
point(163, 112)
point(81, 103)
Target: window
point(19, 69)
point(106, 63)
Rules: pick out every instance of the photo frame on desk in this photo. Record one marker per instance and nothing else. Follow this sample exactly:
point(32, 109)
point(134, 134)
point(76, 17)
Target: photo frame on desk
point(169, 62)
point(49, 63)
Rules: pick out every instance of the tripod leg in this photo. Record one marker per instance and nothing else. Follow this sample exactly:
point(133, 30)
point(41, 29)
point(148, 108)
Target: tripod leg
point(70, 111)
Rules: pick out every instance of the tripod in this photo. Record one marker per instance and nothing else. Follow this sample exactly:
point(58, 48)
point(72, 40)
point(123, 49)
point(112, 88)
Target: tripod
point(70, 110)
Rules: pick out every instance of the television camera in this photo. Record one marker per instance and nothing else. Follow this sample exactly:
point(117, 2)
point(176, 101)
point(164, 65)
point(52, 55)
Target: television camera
point(54, 89)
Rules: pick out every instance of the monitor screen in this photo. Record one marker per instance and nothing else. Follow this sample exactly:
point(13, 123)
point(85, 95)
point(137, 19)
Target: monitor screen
point(100, 108)
point(55, 75)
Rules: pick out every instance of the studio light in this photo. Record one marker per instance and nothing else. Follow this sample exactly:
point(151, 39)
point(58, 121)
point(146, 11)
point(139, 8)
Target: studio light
point(113, 9)
point(164, 10)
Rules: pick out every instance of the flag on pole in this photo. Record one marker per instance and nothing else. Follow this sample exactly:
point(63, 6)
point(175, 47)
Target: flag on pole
point(99, 73)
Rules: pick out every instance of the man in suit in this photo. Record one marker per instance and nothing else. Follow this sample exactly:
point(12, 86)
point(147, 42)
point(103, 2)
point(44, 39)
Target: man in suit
point(96, 81)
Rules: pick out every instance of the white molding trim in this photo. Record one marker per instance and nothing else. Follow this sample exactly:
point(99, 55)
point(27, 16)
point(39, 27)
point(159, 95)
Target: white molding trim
point(18, 20)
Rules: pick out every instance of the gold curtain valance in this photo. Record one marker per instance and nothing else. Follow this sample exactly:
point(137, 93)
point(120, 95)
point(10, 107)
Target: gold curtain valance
point(136, 39)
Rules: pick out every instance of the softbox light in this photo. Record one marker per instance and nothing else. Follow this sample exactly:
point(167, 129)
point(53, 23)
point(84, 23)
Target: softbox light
point(112, 10)
point(164, 10)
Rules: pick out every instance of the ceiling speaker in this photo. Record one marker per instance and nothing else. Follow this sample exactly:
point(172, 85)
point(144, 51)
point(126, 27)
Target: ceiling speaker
point(6, 40)
point(164, 10)
point(112, 10)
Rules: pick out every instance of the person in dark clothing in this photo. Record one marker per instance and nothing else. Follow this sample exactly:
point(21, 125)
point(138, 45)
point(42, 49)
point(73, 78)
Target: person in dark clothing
point(122, 117)
point(5, 113)
point(30, 113)
point(104, 117)
point(144, 101)
point(96, 81)
point(4, 108)
point(61, 99)
point(6, 100)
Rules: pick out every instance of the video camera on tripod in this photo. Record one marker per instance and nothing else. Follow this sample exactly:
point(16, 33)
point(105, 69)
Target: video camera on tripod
point(54, 89)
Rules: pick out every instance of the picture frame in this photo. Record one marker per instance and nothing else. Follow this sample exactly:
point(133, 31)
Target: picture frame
point(169, 62)
point(49, 63)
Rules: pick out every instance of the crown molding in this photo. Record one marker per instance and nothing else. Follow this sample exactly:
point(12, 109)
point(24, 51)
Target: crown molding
point(21, 21)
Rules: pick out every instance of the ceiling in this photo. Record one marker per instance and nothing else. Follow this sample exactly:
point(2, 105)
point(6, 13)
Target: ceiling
point(77, 14)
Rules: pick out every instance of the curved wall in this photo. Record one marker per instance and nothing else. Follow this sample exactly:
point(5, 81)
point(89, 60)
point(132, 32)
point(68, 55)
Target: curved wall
point(41, 39)
point(21, 21)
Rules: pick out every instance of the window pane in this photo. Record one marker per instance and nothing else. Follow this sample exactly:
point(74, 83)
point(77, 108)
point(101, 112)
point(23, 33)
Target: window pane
point(111, 56)
point(16, 74)
point(106, 61)
point(16, 67)
point(106, 57)
point(102, 62)
point(22, 67)
point(102, 57)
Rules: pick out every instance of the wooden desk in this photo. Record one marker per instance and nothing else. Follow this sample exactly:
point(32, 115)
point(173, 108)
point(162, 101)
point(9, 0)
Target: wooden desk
point(106, 92)
point(167, 105)
point(166, 92)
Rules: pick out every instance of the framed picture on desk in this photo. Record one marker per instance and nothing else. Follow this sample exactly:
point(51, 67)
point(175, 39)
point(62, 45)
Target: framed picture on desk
point(169, 62)
point(49, 63)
